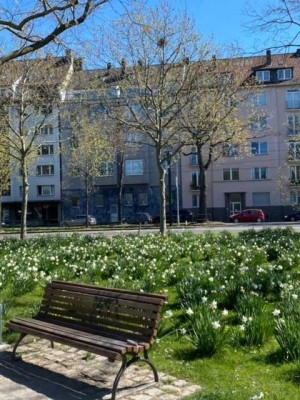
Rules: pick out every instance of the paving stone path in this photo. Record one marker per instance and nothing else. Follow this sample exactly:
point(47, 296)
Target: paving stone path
point(65, 373)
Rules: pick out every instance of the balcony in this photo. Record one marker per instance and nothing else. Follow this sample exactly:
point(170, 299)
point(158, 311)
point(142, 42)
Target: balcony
point(294, 156)
point(194, 186)
point(294, 182)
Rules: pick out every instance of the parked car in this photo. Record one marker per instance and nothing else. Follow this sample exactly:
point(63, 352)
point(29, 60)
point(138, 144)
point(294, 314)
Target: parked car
point(80, 220)
point(292, 217)
point(184, 215)
point(139, 218)
point(249, 215)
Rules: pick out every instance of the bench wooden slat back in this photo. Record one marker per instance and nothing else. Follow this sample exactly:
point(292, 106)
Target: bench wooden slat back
point(124, 314)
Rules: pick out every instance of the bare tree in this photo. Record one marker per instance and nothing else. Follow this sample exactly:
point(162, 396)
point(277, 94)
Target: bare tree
point(280, 19)
point(31, 90)
point(88, 151)
point(154, 49)
point(215, 120)
point(5, 167)
point(38, 23)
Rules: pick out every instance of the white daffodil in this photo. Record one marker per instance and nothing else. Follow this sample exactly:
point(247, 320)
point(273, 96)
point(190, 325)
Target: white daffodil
point(276, 312)
point(216, 324)
point(189, 311)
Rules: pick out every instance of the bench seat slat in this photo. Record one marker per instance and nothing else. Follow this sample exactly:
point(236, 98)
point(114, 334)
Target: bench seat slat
point(104, 331)
point(72, 335)
point(63, 340)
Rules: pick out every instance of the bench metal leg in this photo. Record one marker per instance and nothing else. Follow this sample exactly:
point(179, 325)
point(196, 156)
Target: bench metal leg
point(14, 357)
point(126, 363)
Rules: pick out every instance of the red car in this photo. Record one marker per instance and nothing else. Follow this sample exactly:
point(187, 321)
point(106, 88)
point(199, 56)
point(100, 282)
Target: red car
point(249, 215)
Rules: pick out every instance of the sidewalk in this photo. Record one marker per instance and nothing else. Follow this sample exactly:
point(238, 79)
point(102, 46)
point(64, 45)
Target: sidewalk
point(65, 373)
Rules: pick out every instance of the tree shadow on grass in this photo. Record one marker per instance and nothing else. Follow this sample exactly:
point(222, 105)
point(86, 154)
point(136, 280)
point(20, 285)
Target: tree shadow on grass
point(189, 354)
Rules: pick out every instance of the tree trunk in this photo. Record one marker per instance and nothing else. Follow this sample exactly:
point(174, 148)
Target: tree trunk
point(202, 187)
point(162, 186)
point(86, 200)
point(25, 191)
point(120, 172)
point(0, 206)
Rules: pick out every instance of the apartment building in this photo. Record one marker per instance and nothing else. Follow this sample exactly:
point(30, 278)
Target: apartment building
point(269, 177)
point(41, 120)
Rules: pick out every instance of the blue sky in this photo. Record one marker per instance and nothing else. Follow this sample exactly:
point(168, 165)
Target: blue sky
point(224, 20)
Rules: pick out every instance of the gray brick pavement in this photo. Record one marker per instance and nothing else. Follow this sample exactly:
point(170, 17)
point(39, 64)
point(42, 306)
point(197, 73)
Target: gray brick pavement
point(64, 373)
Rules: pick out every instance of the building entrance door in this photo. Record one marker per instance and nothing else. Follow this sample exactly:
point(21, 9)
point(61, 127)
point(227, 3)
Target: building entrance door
point(235, 206)
point(114, 213)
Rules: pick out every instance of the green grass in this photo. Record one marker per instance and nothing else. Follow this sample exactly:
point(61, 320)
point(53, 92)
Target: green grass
point(233, 374)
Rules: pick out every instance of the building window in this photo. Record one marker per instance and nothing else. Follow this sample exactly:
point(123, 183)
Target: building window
point(293, 99)
point(195, 200)
point(284, 74)
point(195, 179)
point(259, 99)
point(107, 169)
point(259, 124)
point(261, 199)
point(44, 109)
point(194, 156)
point(45, 170)
point(143, 199)
point(46, 149)
point(231, 150)
point(133, 139)
point(260, 173)
point(263, 76)
point(295, 197)
point(259, 148)
point(134, 167)
point(294, 150)
point(45, 190)
point(128, 199)
point(294, 124)
point(295, 173)
point(99, 200)
point(75, 201)
point(46, 130)
point(231, 174)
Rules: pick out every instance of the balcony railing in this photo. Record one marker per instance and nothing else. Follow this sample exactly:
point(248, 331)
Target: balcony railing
point(293, 155)
point(295, 182)
point(293, 131)
point(194, 186)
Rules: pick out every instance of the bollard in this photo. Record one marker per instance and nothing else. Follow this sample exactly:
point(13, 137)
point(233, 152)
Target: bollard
point(0, 323)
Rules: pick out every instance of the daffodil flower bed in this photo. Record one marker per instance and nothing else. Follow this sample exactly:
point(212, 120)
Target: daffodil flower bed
point(225, 291)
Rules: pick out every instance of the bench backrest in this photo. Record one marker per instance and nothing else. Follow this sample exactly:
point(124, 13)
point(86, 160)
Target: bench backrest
point(121, 314)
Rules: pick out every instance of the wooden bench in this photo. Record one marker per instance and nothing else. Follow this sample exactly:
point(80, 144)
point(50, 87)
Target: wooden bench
point(117, 324)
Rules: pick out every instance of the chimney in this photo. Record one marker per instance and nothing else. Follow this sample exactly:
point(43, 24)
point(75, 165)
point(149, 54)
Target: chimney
point(123, 65)
point(268, 57)
point(69, 54)
point(297, 53)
